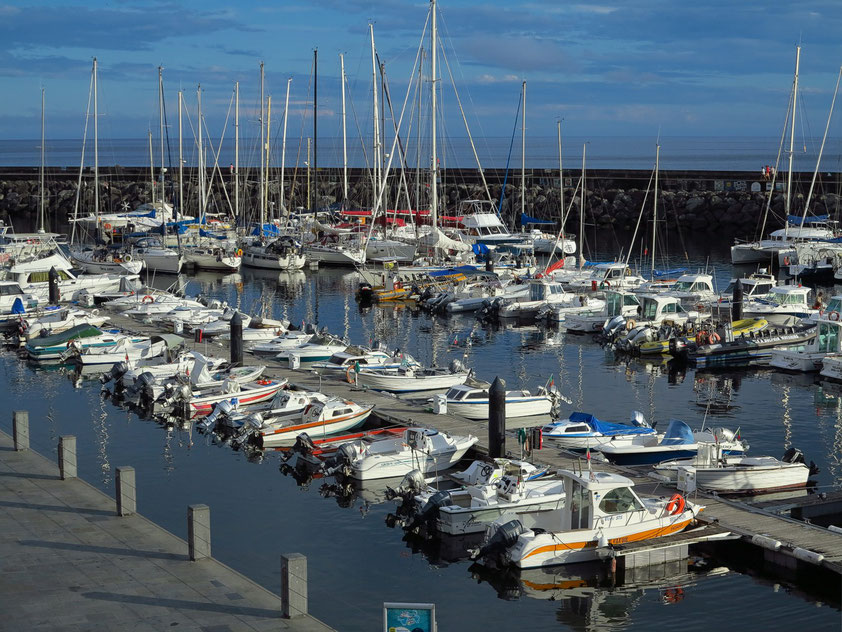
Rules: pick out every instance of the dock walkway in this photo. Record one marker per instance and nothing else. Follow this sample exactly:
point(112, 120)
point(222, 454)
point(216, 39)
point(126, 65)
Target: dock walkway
point(70, 563)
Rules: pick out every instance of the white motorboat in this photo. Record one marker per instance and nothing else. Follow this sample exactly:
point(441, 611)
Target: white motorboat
point(13, 300)
point(782, 305)
point(105, 261)
point(213, 258)
point(740, 474)
point(319, 419)
point(33, 277)
point(601, 509)
point(156, 257)
point(692, 290)
point(286, 404)
point(581, 431)
point(607, 276)
point(424, 449)
point(482, 225)
point(678, 442)
point(345, 362)
point(292, 339)
point(410, 379)
point(57, 346)
point(138, 352)
point(473, 296)
point(51, 321)
point(617, 303)
point(655, 310)
point(319, 348)
point(472, 401)
point(808, 357)
point(547, 294)
point(201, 402)
point(756, 285)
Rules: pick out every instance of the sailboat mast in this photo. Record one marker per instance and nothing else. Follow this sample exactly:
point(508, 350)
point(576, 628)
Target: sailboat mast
point(268, 123)
point(96, 155)
point(582, 212)
point(655, 207)
point(434, 192)
point(202, 171)
point(792, 130)
point(316, 128)
point(236, 151)
point(262, 153)
point(151, 165)
point(161, 121)
point(560, 182)
point(376, 120)
point(284, 146)
point(523, 154)
point(41, 176)
point(180, 157)
point(344, 133)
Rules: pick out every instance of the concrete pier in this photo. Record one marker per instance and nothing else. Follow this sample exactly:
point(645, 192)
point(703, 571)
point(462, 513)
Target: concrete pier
point(70, 564)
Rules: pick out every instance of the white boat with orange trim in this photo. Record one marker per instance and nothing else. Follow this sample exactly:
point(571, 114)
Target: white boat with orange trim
point(319, 419)
point(200, 403)
point(601, 510)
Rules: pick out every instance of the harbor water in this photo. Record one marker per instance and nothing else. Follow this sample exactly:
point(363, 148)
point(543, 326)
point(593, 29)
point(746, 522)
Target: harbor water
point(355, 561)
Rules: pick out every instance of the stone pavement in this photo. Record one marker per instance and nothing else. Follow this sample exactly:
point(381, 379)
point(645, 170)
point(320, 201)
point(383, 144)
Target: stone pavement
point(68, 562)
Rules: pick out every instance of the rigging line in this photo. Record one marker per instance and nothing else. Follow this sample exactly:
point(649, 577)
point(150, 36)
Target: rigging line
point(304, 113)
point(509, 157)
point(82, 162)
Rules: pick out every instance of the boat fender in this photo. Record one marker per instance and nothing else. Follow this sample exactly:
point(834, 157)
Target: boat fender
point(807, 555)
point(786, 261)
point(675, 505)
point(239, 252)
point(630, 324)
point(765, 542)
point(151, 299)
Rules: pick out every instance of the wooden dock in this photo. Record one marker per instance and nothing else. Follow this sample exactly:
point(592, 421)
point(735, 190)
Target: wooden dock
point(70, 563)
point(802, 542)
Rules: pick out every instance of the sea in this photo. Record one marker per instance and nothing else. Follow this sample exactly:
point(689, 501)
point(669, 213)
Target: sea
point(722, 153)
point(356, 562)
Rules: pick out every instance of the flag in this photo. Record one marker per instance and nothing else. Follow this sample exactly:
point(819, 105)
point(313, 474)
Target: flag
point(551, 382)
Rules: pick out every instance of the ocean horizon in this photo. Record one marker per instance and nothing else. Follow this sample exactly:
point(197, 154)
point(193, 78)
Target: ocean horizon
point(696, 153)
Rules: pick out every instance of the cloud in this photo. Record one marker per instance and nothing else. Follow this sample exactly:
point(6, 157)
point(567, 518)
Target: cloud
point(514, 53)
point(486, 78)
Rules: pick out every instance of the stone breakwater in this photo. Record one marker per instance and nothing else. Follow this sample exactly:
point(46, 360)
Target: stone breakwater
point(709, 202)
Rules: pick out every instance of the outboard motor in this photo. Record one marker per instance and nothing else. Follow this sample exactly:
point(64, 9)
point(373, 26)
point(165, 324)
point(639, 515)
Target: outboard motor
point(118, 370)
point(612, 326)
point(223, 408)
point(412, 483)
point(499, 539)
point(793, 455)
point(638, 420)
point(456, 366)
point(303, 445)
point(430, 511)
point(724, 434)
point(341, 461)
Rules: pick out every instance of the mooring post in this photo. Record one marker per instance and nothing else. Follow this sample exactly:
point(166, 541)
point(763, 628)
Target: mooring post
point(20, 429)
point(67, 457)
point(737, 302)
point(198, 532)
point(237, 340)
point(293, 585)
point(52, 284)
point(126, 491)
point(497, 418)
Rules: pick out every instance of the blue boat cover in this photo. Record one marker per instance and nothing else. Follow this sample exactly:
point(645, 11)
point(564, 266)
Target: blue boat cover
point(269, 230)
point(796, 220)
point(526, 219)
point(673, 272)
point(480, 249)
point(678, 433)
point(608, 428)
point(17, 307)
point(452, 271)
point(207, 233)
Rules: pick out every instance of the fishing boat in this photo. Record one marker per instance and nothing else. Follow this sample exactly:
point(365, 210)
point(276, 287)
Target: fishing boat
point(424, 449)
point(783, 305)
point(655, 310)
point(678, 442)
point(809, 356)
point(581, 431)
point(601, 509)
point(319, 419)
point(716, 472)
point(472, 400)
point(410, 379)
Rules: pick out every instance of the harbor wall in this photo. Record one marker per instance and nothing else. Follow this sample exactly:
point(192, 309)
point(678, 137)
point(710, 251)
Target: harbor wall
point(730, 203)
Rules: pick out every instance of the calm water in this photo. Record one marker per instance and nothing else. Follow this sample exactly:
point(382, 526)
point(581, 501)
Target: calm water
point(603, 152)
point(355, 561)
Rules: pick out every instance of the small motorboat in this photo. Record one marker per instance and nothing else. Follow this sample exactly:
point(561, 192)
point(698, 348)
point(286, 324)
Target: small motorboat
point(345, 363)
point(808, 357)
point(318, 349)
point(678, 442)
point(196, 403)
point(410, 379)
point(753, 349)
point(424, 449)
point(741, 474)
point(139, 352)
point(471, 401)
point(291, 339)
point(85, 336)
point(581, 431)
point(319, 419)
point(602, 509)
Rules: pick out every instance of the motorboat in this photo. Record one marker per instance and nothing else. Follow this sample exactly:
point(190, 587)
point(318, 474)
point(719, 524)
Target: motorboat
point(127, 349)
point(756, 285)
point(617, 303)
point(286, 404)
point(424, 449)
point(581, 431)
point(692, 290)
point(319, 419)
point(670, 339)
point(546, 294)
point(213, 258)
point(318, 349)
point(194, 403)
point(809, 356)
point(472, 401)
point(601, 509)
point(783, 305)
point(410, 379)
point(54, 320)
point(781, 241)
point(752, 349)
point(291, 339)
point(723, 474)
point(655, 310)
point(58, 346)
point(156, 257)
point(482, 225)
point(678, 442)
point(350, 359)
point(607, 276)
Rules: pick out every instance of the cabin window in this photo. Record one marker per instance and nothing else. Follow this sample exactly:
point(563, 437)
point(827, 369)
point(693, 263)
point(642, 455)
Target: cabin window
point(828, 338)
point(761, 288)
point(10, 290)
point(700, 287)
point(580, 506)
point(616, 274)
point(650, 309)
point(455, 394)
point(44, 277)
point(835, 305)
point(576, 429)
point(620, 500)
point(480, 395)
point(670, 308)
point(630, 299)
point(335, 359)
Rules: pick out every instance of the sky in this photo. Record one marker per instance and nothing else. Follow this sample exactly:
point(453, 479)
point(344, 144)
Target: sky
point(648, 67)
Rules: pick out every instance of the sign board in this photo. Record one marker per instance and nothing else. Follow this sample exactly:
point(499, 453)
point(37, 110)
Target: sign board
point(409, 617)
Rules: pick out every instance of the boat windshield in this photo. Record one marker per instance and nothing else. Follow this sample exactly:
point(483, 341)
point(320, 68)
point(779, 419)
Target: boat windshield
point(835, 305)
point(785, 298)
point(613, 304)
point(620, 500)
point(828, 338)
point(682, 286)
point(650, 309)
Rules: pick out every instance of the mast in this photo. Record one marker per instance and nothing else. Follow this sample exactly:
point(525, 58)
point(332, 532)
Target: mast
point(315, 128)
point(284, 147)
point(151, 165)
point(41, 175)
point(655, 207)
point(180, 158)
point(434, 193)
point(262, 154)
point(344, 134)
point(376, 119)
point(236, 151)
point(161, 121)
point(96, 156)
point(202, 172)
point(308, 173)
point(268, 123)
point(792, 131)
point(560, 182)
point(523, 156)
point(582, 212)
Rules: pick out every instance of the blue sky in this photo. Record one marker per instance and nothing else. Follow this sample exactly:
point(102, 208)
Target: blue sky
point(611, 68)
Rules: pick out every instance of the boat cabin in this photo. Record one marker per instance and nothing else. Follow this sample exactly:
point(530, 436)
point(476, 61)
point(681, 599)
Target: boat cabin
point(828, 335)
point(788, 295)
point(656, 308)
point(754, 286)
point(594, 497)
point(543, 290)
point(693, 283)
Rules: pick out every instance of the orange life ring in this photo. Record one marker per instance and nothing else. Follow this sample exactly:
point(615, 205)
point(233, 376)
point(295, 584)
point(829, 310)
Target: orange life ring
point(264, 382)
point(713, 338)
point(148, 296)
point(348, 373)
point(701, 338)
point(107, 226)
point(676, 504)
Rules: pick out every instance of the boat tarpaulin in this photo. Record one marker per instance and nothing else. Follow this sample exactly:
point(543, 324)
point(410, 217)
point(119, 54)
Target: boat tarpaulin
point(480, 249)
point(207, 233)
point(678, 433)
point(452, 271)
point(607, 428)
point(437, 239)
point(797, 220)
point(528, 219)
point(17, 307)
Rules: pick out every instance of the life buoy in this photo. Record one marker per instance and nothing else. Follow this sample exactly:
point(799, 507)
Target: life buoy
point(151, 299)
point(833, 316)
point(127, 258)
point(107, 226)
point(630, 324)
point(398, 285)
point(607, 283)
point(713, 338)
point(239, 252)
point(676, 504)
point(264, 382)
point(348, 374)
point(701, 338)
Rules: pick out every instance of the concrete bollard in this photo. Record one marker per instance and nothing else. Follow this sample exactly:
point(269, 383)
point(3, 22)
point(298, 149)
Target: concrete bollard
point(20, 429)
point(126, 485)
point(198, 532)
point(67, 457)
point(497, 418)
point(293, 585)
point(237, 340)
